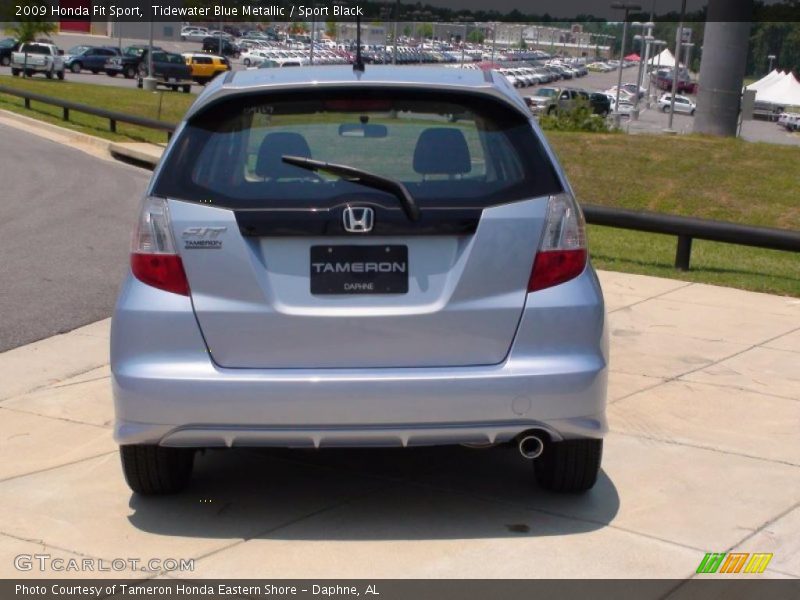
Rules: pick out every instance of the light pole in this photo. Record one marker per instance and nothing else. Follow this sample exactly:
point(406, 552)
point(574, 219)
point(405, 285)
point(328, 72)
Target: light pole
point(644, 41)
point(656, 45)
point(771, 58)
point(678, 43)
point(463, 45)
point(688, 59)
point(396, 19)
point(627, 7)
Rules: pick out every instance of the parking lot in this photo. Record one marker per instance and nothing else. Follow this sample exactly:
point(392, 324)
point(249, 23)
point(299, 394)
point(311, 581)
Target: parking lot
point(651, 121)
point(703, 453)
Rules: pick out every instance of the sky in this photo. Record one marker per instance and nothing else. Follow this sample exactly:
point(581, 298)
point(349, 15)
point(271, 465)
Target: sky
point(570, 8)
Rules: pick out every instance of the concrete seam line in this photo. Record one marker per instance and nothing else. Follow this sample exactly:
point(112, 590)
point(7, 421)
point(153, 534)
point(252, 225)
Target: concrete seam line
point(54, 467)
point(701, 447)
point(735, 354)
point(65, 419)
point(44, 385)
point(686, 284)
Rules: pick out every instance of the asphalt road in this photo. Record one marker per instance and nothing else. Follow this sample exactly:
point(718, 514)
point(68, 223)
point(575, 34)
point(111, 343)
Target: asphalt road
point(65, 226)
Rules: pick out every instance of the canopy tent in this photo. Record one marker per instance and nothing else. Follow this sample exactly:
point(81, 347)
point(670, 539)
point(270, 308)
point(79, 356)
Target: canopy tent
point(665, 59)
point(766, 81)
point(633, 57)
point(784, 92)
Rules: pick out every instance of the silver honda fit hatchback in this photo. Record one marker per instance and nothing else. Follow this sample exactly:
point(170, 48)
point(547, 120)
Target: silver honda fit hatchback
point(333, 258)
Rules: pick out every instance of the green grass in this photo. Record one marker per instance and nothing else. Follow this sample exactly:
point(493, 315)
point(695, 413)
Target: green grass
point(755, 269)
point(713, 178)
point(131, 101)
point(724, 179)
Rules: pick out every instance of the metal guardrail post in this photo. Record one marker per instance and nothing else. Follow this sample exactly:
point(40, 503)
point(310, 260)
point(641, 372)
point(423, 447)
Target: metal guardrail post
point(28, 103)
point(683, 255)
point(112, 125)
point(66, 114)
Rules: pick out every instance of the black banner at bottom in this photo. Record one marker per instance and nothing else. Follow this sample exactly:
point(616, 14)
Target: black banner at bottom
point(732, 588)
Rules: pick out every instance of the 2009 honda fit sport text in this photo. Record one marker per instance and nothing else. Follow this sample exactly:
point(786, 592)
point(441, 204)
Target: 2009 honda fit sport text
point(333, 258)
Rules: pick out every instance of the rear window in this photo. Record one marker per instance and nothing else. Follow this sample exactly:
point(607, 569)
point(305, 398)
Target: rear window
point(448, 149)
point(35, 49)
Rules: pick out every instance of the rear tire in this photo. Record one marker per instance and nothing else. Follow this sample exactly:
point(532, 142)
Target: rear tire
point(186, 89)
point(130, 72)
point(570, 466)
point(15, 72)
point(155, 470)
point(5, 61)
point(75, 68)
point(60, 75)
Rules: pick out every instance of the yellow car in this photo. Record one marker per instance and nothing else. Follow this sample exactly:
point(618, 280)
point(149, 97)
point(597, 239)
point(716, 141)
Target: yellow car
point(206, 66)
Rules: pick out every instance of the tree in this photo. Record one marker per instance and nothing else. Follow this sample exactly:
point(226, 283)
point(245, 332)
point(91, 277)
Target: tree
point(331, 29)
point(425, 31)
point(28, 29)
point(298, 27)
point(476, 36)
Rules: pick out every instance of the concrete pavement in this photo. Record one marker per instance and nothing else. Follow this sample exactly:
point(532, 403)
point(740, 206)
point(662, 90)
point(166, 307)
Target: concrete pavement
point(703, 456)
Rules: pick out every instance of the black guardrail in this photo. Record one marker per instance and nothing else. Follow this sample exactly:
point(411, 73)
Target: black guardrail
point(689, 228)
point(112, 116)
point(685, 228)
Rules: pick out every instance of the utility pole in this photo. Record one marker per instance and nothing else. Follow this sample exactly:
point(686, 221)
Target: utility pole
point(678, 43)
point(724, 60)
point(627, 7)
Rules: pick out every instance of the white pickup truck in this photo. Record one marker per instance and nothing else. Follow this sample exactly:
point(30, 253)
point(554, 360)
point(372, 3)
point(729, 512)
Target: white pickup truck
point(38, 57)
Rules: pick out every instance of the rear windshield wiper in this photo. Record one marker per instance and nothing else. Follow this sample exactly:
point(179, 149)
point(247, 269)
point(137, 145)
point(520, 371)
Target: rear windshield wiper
point(378, 182)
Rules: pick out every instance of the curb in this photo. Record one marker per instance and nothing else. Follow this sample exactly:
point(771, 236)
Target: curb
point(141, 154)
point(138, 153)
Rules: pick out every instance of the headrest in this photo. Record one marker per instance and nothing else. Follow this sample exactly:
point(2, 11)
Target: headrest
point(273, 147)
point(442, 151)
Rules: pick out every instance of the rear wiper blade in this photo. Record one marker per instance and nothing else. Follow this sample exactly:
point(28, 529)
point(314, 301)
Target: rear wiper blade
point(378, 182)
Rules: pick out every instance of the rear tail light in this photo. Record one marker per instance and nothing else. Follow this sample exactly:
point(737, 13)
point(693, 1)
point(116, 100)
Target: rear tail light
point(562, 253)
point(154, 259)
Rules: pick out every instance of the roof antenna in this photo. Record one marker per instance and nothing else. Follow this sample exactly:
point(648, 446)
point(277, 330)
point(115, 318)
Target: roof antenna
point(358, 65)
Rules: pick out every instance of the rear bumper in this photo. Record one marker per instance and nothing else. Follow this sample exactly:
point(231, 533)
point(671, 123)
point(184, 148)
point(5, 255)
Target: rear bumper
point(168, 391)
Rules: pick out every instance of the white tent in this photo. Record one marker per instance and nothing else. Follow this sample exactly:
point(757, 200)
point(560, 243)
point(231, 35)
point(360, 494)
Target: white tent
point(665, 59)
point(785, 92)
point(766, 81)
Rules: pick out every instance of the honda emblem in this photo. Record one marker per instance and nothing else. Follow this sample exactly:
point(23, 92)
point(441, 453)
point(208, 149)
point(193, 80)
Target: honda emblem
point(358, 219)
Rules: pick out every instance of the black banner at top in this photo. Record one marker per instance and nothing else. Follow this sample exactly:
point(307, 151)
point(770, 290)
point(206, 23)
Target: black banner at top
point(449, 11)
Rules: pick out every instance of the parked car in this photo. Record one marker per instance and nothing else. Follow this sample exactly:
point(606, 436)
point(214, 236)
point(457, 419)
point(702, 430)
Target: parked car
point(631, 88)
point(626, 106)
point(220, 45)
point(789, 121)
point(548, 100)
point(38, 57)
point(7, 46)
point(91, 58)
point(128, 62)
point(682, 104)
point(600, 103)
point(170, 70)
point(204, 67)
point(193, 34)
point(285, 290)
point(663, 81)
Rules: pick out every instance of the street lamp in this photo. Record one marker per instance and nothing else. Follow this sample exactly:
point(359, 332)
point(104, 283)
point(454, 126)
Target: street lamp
point(627, 7)
point(644, 42)
point(688, 59)
point(771, 58)
point(678, 43)
point(657, 46)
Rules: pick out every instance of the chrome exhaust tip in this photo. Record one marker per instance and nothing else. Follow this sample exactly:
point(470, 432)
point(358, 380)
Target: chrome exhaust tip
point(531, 446)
